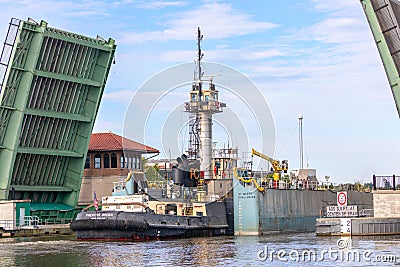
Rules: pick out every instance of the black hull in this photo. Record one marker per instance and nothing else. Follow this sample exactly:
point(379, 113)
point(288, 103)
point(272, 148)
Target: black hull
point(156, 233)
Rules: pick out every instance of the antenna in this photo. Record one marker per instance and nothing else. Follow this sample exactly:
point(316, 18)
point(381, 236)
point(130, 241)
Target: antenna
point(199, 57)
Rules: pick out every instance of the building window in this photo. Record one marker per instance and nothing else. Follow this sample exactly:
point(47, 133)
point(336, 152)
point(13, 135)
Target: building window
point(87, 162)
point(122, 162)
point(97, 161)
point(138, 162)
point(113, 160)
point(106, 160)
point(134, 162)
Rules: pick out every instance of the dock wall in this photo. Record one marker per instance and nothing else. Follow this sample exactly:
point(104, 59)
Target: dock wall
point(358, 226)
point(38, 230)
point(386, 203)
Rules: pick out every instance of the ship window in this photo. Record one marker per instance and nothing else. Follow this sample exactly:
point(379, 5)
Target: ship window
point(199, 213)
point(106, 160)
point(113, 160)
point(193, 96)
point(87, 162)
point(220, 185)
point(97, 161)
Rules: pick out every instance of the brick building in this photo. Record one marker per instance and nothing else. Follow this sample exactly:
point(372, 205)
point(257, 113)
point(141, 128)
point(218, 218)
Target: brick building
point(110, 158)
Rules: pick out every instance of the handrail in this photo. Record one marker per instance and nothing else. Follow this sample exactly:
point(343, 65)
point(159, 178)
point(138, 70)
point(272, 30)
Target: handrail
point(280, 184)
point(31, 221)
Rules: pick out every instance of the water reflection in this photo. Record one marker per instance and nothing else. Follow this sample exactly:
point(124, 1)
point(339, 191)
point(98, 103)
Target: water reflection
point(216, 251)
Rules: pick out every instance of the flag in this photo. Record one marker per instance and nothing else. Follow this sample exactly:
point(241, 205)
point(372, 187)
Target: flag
point(96, 201)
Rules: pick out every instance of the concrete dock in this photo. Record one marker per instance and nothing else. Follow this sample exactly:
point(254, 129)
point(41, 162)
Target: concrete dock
point(384, 220)
point(357, 226)
point(36, 230)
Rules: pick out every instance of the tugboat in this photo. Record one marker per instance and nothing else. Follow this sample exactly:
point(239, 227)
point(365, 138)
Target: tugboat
point(136, 212)
point(129, 216)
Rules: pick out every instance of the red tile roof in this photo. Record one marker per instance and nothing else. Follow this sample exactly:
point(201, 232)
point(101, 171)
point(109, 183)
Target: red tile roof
point(111, 141)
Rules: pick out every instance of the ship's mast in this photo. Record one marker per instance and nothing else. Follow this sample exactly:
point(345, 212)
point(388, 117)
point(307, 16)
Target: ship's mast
point(203, 104)
point(199, 57)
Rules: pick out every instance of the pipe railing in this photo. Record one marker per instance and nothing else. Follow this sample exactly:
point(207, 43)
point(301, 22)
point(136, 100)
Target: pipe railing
point(386, 182)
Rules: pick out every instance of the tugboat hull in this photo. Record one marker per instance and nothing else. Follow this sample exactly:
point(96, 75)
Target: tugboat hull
point(120, 225)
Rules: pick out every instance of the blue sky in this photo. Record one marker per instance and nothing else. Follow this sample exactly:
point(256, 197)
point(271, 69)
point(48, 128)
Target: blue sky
point(311, 57)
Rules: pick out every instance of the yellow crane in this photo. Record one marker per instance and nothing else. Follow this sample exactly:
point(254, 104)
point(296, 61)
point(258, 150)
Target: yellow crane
point(277, 166)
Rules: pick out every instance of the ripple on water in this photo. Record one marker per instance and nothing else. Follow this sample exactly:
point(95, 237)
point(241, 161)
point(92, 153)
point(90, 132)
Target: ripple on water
point(215, 251)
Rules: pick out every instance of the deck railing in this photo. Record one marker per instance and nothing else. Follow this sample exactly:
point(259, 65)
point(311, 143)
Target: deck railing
point(386, 182)
point(30, 221)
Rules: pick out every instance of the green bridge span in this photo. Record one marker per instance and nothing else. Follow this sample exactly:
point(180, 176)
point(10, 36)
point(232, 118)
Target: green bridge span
point(52, 82)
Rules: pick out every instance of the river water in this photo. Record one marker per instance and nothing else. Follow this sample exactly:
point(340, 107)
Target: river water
point(268, 250)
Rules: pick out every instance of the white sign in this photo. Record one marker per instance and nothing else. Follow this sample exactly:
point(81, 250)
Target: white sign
point(344, 211)
point(345, 226)
point(341, 198)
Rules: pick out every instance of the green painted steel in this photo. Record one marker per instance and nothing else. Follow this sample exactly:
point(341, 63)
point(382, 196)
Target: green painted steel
point(52, 85)
point(383, 17)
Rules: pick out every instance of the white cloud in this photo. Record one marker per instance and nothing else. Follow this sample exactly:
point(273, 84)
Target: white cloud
point(102, 126)
point(120, 96)
point(163, 4)
point(324, 5)
point(338, 30)
point(223, 54)
point(218, 20)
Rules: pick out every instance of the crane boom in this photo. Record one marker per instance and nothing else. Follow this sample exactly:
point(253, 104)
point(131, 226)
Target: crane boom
point(276, 164)
point(383, 18)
